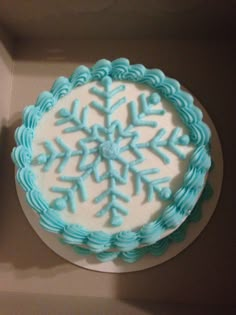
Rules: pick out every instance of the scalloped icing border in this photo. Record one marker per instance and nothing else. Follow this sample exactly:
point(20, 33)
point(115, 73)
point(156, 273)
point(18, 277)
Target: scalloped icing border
point(184, 199)
point(161, 246)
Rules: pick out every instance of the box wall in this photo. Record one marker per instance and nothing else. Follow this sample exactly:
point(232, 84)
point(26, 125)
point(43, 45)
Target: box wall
point(199, 274)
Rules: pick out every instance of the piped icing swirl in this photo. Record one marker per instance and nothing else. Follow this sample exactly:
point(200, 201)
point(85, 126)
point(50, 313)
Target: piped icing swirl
point(199, 134)
point(133, 255)
point(181, 100)
point(101, 69)
point(26, 178)
point(183, 200)
point(168, 87)
point(75, 234)
point(51, 222)
point(120, 68)
point(153, 78)
point(190, 115)
point(98, 241)
point(61, 87)
point(45, 102)
point(31, 116)
point(36, 201)
point(172, 217)
point(21, 156)
point(150, 232)
point(126, 240)
point(80, 76)
point(107, 256)
point(24, 136)
point(135, 73)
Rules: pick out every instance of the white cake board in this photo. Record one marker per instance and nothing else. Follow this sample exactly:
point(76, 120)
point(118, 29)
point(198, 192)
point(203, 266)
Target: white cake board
point(148, 261)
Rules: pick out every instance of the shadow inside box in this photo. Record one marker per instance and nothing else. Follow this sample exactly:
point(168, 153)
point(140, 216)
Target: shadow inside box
point(20, 245)
point(61, 304)
point(152, 308)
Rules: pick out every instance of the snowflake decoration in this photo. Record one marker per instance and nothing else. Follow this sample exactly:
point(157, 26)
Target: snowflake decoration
point(109, 150)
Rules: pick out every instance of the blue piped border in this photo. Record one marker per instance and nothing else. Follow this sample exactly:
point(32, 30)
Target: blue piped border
point(184, 199)
point(161, 246)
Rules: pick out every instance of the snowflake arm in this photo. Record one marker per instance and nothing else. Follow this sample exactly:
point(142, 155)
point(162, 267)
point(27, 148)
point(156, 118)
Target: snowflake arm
point(84, 165)
point(120, 178)
point(66, 153)
point(108, 108)
point(146, 110)
point(112, 194)
point(53, 154)
point(148, 102)
point(152, 186)
point(80, 123)
point(115, 209)
point(68, 194)
point(132, 146)
point(171, 143)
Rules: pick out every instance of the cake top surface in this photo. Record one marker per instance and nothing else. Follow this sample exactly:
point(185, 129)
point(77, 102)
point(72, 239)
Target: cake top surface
point(104, 166)
point(114, 155)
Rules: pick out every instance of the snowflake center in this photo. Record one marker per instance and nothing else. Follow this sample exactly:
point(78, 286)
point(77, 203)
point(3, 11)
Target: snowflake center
point(109, 150)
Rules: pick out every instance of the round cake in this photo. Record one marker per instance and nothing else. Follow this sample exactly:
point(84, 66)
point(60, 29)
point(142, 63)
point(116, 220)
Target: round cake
point(113, 160)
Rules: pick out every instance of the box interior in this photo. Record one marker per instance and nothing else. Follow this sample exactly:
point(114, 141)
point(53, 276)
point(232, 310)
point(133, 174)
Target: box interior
point(33, 53)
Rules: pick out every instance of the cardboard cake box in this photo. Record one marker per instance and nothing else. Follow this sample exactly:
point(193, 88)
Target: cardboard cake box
point(38, 44)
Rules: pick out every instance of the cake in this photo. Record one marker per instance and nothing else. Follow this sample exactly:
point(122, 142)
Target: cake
point(114, 160)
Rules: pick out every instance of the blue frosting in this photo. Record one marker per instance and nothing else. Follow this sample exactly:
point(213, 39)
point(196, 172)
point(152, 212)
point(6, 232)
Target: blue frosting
point(51, 221)
point(182, 201)
point(24, 137)
point(21, 156)
point(26, 177)
point(108, 149)
point(31, 116)
point(101, 69)
point(61, 87)
point(80, 76)
point(158, 248)
point(98, 241)
point(45, 102)
point(126, 240)
point(150, 232)
point(36, 201)
point(153, 77)
point(75, 234)
point(107, 256)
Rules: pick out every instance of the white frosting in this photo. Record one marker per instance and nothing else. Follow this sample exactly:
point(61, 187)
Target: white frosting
point(140, 211)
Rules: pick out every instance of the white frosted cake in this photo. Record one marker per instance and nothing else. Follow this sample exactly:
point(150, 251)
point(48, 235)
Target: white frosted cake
point(114, 160)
